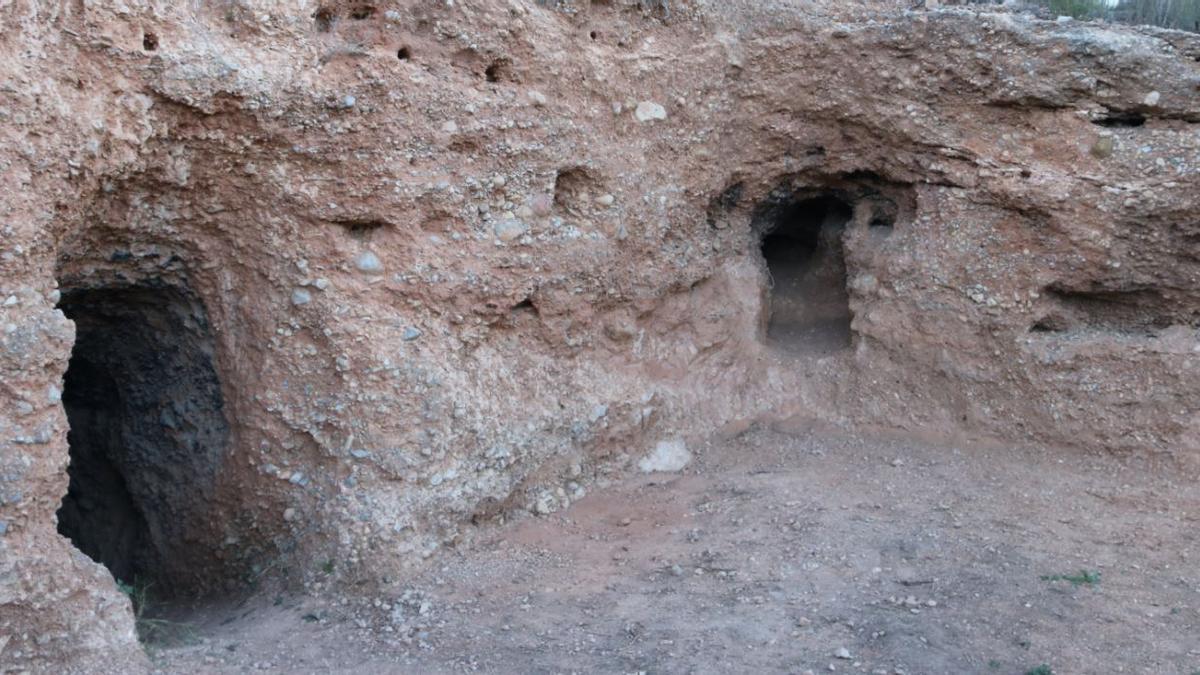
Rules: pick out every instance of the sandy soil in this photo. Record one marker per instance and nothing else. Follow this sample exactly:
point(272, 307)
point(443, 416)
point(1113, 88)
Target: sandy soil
point(783, 550)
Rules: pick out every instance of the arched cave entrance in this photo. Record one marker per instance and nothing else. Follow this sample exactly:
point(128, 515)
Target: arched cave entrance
point(808, 307)
point(147, 432)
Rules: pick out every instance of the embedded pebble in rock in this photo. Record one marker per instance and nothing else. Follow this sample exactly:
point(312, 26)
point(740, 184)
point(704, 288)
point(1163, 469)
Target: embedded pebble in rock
point(301, 296)
point(605, 200)
point(509, 229)
point(648, 111)
point(368, 263)
point(537, 98)
point(842, 653)
point(1103, 147)
point(1152, 98)
point(411, 333)
point(542, 205)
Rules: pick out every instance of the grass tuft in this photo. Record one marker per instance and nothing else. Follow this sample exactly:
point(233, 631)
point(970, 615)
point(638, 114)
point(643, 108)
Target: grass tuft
point(1084, 577)
point(153, 632)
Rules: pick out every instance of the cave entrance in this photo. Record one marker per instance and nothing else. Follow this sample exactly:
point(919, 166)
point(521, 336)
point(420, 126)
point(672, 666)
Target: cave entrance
point(147, 433)
point(808, 307)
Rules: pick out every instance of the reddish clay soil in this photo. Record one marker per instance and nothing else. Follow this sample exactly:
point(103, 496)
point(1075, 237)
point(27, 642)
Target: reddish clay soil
point(775, 551)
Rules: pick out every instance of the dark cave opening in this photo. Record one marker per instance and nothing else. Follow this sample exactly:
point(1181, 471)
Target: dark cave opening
point(147, 433)
point(809, 308)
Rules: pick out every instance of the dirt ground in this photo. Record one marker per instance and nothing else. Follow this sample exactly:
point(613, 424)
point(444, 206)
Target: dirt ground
point(783, 550)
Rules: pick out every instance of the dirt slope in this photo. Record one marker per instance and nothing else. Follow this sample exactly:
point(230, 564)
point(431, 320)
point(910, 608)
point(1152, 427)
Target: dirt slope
point(776, 551)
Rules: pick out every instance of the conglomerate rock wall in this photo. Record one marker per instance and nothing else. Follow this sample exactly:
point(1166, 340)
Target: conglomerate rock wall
point(451, 259)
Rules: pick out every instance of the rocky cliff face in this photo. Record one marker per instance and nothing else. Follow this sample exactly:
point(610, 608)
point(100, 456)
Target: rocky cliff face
point(344, 281)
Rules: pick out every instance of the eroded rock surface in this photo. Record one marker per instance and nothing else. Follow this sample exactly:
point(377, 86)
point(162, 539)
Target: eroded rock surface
point(462, 258)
